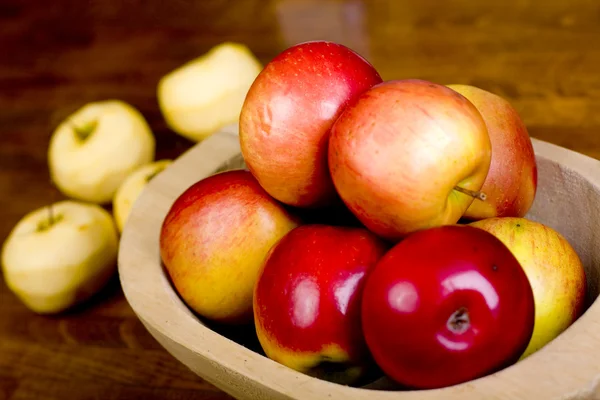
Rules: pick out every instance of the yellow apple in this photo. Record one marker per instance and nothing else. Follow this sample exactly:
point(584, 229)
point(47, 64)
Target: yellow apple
point(132, 187)
point(58, 256)
point(207, 93)
point(97, 147)
point(553, 268)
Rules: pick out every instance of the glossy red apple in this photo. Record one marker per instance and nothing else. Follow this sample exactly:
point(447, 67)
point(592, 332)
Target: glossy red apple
point(214, 240)
point(287, 115)
point(511, 182)
point(307, 301)
point(404, 154)
point(447, 305)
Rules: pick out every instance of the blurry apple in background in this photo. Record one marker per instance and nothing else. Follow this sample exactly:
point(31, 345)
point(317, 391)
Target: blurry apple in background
point(402, 156)
point(307, 301)
point(554, 271)
point(59, 256)
point(93, 150)
point(511, 182)
point(132, 187)
point(214, 240)
point(287, 115)
point(207, 93)
point(447, 305)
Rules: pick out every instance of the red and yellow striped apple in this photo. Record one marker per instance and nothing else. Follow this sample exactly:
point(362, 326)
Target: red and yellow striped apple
point(404, 154)
point(287, 115)
point(511, 182)
point(214, 240)
point(307, 301)
point(554, 270)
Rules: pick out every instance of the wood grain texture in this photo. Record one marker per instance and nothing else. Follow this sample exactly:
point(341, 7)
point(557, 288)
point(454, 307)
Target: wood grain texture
point(57, 56)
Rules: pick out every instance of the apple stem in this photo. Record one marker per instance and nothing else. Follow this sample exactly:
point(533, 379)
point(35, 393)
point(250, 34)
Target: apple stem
point(50, 215)
point(52, 219)
point(83, 132)
point(475, 194)
point(459, 321)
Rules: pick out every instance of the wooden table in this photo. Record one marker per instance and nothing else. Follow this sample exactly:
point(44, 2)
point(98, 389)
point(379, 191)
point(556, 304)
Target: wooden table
point(57, 56)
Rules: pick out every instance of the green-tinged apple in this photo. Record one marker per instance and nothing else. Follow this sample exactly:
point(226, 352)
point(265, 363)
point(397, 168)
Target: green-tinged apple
point(207, 93)
point(59, 256)
point(287, 116)
point(214, 240)
point(131, 188)
point(511, 182)
point(409, 155)
point(553, 268)
point(307, 301)
point(93, 150)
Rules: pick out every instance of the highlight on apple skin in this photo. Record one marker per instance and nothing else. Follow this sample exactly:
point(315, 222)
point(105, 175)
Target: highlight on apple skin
point(402, 155)
point(307, 301)
point(511, 183)
point(214, 239)
point(287, 115)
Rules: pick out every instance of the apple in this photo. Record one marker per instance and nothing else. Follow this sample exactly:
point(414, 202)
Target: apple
point(214, 239)
point(131, 188)
point(447, 305)
point(58, 256)
point(307, 301)
point(511, 182)
point(94, 149)
point(287, 115)
point(554, 270)
point(205, 94)
point(409, 155)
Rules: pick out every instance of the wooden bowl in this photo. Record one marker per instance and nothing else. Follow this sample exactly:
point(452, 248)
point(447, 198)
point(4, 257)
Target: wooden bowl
point(568, 200)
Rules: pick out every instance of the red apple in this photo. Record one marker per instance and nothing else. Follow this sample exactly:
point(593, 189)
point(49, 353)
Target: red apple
point(404, 154)
point(307, 301)
point(447, 305)
point(287, 115)
point(214, 240)
point(511, 182)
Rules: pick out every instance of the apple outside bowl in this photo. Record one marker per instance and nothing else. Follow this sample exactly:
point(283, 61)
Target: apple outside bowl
point(568, 200)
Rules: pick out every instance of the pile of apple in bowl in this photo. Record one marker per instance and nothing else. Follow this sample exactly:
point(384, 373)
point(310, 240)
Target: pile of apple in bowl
point(400, 231)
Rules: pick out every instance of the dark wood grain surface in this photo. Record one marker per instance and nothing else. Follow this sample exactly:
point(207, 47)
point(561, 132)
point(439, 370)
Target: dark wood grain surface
point(543, 56)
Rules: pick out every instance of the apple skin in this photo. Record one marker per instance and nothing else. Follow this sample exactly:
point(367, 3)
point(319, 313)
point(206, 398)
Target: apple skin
point(554, 269)
point(214, 240)
point(511, 183)
point(396, 154)
point(131, 188)
point(307, 301)
point(95, 148)
point(207, 93)
point(412, 294)
point(54, 264)
point(287, 115)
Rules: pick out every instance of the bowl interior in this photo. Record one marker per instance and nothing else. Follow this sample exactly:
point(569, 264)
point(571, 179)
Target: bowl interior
point(568, 200)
